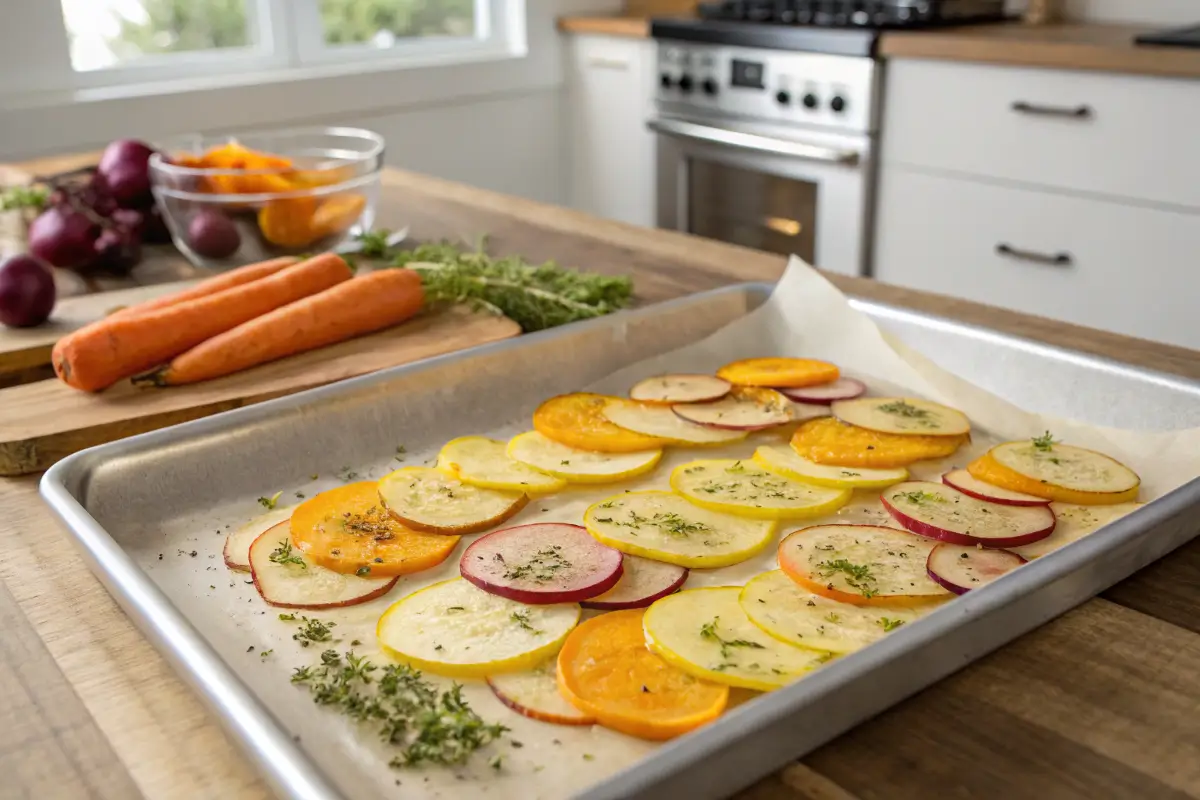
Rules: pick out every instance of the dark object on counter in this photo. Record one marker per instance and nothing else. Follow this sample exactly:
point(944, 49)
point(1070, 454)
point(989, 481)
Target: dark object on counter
point(27, 292)
point(1178, 37)
point(855, 13)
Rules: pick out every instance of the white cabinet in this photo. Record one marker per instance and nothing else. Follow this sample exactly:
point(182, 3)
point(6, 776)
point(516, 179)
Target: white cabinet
point(610, 95)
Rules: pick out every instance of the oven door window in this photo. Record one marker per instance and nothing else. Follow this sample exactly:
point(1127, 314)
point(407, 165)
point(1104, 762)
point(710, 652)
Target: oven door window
point(753, 209)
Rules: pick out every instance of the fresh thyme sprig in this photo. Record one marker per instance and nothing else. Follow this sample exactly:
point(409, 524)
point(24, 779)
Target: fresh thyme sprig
point(1044, 443)
point(709, 631)
point(284, 555)
point(857, 575)
point(24, 198)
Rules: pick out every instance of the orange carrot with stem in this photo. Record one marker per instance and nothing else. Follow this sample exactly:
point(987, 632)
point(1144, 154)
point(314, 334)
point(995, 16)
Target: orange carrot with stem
point(217, 283)
point(98, 355)
point(365, 304)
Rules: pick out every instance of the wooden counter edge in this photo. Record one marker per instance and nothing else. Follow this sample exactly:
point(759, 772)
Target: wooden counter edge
point(628, 27)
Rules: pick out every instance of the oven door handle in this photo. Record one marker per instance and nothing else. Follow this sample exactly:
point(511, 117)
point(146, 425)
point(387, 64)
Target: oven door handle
point(693, 131)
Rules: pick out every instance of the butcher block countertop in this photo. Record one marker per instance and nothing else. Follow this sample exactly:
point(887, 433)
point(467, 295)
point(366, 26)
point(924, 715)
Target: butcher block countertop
point(1103, 702)
point(1083, 46)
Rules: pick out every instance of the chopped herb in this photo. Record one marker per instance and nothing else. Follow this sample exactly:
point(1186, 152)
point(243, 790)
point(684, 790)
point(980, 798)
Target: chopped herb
point(250, 649)
point(708, 631)
point(902, 408)
point(670, 523)
point(832, 617)
point(857, 575)
point(438, 647)
point(346, 475)
point(541, 567)
point(265, 654)
point(313, 477)
point(889, 624)
point(363, 571)
point(457, 608)
point(269, 502)
point(736, 468)
point(1044, 443)
point(284, 555)
point(497, 762)
point(522, 619)
point(300, 495)
point(588, 757)
point(355, 643)
point(311, 630)
point(287, 617)
point(920, 496)
point(566, 462)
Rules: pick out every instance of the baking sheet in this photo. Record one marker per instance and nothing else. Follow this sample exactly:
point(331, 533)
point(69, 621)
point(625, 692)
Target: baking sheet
point(185, 502)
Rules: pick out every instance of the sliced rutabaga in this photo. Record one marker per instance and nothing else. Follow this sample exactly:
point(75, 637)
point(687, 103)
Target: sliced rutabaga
point(942, 512)
point(744, 488)
point(785, 610)
point(826, 393)
point(642, 582)
point(968, 484)
point(483, 462)
point(961, 569)
point(431, 500)
point(665, 527)
point(661, 421)
point(743, 409)
point(579, 466)
point(542, 563)
point(784, 371)
point(786, 462)
point(1073, 523)
point(1056, 471)
point(680, 388)
point(454, 629)
point(863, 565)
point(535, 694)
point(902, 415)
point(705, 632)
point(286, 579)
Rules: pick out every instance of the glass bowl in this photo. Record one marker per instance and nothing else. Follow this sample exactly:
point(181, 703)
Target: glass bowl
point(234, 200)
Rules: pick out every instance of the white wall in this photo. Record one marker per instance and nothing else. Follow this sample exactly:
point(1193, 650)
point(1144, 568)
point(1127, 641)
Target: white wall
point(1155, 12)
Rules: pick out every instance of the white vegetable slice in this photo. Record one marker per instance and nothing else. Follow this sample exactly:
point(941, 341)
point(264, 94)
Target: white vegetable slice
point(746, 489)
point(535, 694)
point(579, 466)
point(483, 462)
point(642, 582)
point(665, 527)
point(286, 579)
point(1074, 523)
point(968, 484)
point(454, 629)
point(942, 512)
point(433, 501)
point(661, 421)
point(961, 569)
point(902, 415)
point(1066, 466)
point(778, 605)
point(745, 408)
point(704, 632)
point(841, 389)
point(785, 461)
point(864, 565)
point(680, 388)
point(237, 544)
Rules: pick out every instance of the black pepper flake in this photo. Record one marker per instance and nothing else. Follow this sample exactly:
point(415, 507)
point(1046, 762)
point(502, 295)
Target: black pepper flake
point(250, 649)
point(160, 556)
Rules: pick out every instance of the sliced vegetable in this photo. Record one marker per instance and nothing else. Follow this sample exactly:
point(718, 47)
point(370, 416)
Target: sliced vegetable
point(357, 307)
point(942, 512)
point(433, 501)
point(832, 442)
point(748, 490)
point(785, 462)
point(218, 283)
point(968, 484)
point(454, 629)
point(1073, 523)
point(483, 462)
point(863, 565)
point(902, 415)
point(577, 420)
point(661, 421)
point(665, 527)
point(680, 389)
point(704, 632)
point(1057, 471)
point(287, 579)
point(605, 669)
point(288, 221)
point(535, 694)
point(348, 530)
point(642, 582)
point(826, 393)
point(790, 372)
point(104, 352)
point(542, 563)
point(579, 466)
point(236, 552)
point(743, 409)
point(790, 613)
point(961, 569)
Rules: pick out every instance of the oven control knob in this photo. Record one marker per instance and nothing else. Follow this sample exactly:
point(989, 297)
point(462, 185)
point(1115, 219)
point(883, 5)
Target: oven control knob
point(665, 81)
point(685, 84)
point(709, 86)
point(838, 104)
point(782, 97)
point(811, 101)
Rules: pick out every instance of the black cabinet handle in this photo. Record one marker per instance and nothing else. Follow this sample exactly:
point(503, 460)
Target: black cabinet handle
point(1078, 112)
point(1056, 260)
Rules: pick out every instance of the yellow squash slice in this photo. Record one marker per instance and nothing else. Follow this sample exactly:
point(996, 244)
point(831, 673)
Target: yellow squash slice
point(579, 466)
point(786, 462)
point(483, 462)
point(748, 490)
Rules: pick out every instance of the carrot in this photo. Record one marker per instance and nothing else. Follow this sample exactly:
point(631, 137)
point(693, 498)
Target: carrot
point(98, 355)
point(218, 283)
point(362, 305)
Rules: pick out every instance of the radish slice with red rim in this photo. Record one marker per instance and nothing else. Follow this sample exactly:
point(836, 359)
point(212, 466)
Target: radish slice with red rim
point(680, 389)
point(236, 552)
point(961, 569)
point(542, 564)
point(642, 582)
point(286, 579)
point(969, 485)
point(826, 393)
point(942, 512)
point(746, 408)
point(535, 694)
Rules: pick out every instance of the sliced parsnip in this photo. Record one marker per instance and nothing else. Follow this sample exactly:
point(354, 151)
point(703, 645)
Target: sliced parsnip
point(785, 461)
point(237, 544)
point(902, 415)
point(680, 388)
point(535, 694)
point(433, 501)
point(286, 579)
point(579, 466)
point(778, 605)
point(705, 632)
point(665, 527)
point(1074, 523)
point(483, 462)
point(744, 488)
point(662, 421)
point(1063, 465)
point(745, 408)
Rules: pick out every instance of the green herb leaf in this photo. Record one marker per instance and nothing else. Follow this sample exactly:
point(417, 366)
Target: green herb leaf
point(269, 502)
point(284, 555)
point(1044, 443)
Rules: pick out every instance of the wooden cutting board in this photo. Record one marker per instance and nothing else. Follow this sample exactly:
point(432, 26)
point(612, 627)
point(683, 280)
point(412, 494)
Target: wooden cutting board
point(45, 421)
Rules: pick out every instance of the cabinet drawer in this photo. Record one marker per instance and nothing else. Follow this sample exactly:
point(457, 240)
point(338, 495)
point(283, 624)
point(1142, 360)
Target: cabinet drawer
point(1126, 269)
point(1119, 135)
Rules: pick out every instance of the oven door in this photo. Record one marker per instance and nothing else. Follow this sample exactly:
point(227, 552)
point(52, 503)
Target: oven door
point(767, 189)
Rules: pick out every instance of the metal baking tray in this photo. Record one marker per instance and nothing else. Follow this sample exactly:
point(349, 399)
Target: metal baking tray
point(114, 497)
